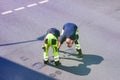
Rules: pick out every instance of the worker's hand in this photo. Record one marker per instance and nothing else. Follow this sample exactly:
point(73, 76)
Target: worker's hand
point(58, 49)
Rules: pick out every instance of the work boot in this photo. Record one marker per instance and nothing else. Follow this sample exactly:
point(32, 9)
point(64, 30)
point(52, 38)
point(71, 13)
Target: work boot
point(46, 62)
point(79, 53)
point(57, 63)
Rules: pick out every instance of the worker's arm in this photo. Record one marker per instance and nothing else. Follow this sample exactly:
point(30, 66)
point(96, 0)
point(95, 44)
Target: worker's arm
point(59, 44)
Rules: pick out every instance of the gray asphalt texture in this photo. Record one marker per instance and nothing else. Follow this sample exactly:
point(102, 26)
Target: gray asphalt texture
point(21, 55)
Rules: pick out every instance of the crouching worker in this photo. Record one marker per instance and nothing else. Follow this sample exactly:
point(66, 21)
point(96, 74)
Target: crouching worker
point(70, 35)
point(51, 40)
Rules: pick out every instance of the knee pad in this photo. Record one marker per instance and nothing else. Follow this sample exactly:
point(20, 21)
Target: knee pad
point(54, 41)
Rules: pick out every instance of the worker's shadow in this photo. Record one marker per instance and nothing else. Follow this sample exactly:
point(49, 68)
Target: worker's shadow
point(82, 68)
point(41, 38)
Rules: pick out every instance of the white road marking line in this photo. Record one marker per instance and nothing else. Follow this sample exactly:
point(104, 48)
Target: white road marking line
point(20, 8)
point(41, 2)
point(7, 12)
point(31, 5)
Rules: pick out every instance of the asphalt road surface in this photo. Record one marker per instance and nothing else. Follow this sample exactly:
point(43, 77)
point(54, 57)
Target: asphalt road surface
point(22, 22)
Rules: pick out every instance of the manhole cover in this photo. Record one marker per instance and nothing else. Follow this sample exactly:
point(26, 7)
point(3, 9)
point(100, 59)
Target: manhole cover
point(52, 75)
point(38, 65)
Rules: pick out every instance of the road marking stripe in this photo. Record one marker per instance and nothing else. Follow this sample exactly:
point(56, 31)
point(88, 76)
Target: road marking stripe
point(7, 12)
point(41, 2)
point(31, 5)
point(20, 8)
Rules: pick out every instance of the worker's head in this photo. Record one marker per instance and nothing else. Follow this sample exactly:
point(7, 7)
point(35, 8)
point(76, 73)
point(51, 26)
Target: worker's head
point(69, 42)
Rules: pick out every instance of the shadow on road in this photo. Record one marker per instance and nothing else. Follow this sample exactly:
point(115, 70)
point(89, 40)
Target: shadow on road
point(12, 71)
point(82, 68)
point(21, 42)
